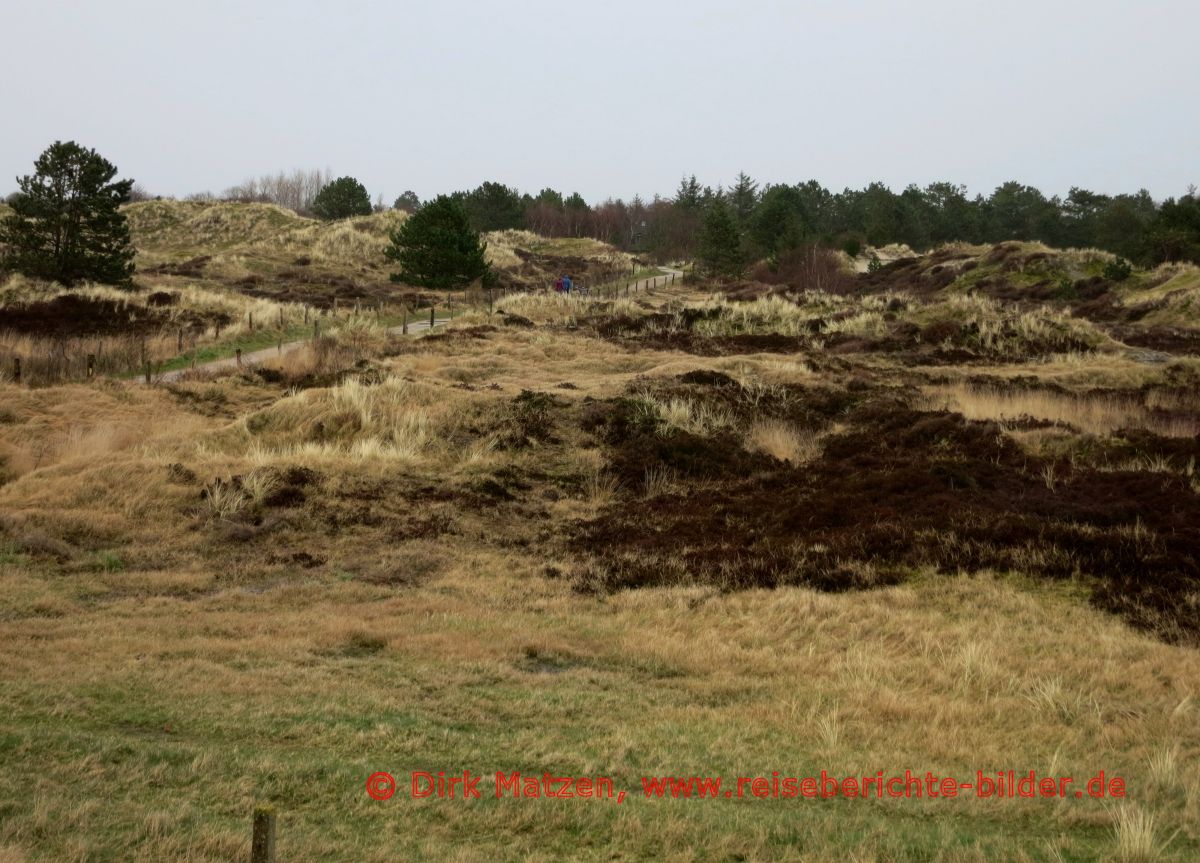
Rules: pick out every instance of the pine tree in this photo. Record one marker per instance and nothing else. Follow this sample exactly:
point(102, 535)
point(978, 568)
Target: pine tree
point(436, 247)
point(743, 197)
point(341, 199)
point(777, 224)
point(688, 195)
point(494, 207)
point(408, 202)
point(719, 245)
point(551, 197)
point(66, 224)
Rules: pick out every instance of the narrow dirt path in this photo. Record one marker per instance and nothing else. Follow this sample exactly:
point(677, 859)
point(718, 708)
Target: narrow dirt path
point(415, 326)
point(255, 357)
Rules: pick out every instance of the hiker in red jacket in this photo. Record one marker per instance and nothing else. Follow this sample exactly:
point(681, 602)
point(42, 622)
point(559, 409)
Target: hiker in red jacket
point(558, 284)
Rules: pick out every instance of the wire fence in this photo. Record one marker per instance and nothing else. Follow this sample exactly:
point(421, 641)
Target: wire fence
point(43, 360)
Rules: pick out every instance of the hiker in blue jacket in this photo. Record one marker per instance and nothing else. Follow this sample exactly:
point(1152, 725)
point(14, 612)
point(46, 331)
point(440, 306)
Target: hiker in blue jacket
point(567, 284)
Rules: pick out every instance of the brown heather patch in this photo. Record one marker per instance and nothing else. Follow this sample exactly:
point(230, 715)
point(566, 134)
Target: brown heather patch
point(898, 491)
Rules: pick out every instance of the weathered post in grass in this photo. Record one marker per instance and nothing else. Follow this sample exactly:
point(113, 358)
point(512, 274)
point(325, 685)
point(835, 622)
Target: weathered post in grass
point(431, 310)
point(16, 370)
point(147, 371)
point(316, 328)
point(179, 342)
point(335, 307)
point(250, 320)
point(281, 317)
point(404, 326)
point(489, 301)
point(238, 354)
point(262, 846)
point(306, 314)
point(217, 335)
point(91, 365)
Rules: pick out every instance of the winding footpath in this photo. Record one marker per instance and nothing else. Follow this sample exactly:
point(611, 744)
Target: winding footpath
point(415, 326)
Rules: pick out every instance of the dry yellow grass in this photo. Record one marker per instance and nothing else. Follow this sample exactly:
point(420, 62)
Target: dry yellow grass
point(785, 442)
point(179, 663)
point(1094, 414)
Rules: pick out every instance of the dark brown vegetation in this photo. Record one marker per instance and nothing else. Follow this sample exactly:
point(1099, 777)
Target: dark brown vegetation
point(74, 315)
point(896, 490)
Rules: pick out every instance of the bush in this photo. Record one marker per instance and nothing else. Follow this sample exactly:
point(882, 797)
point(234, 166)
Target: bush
point(807, 268)
point(1118, 270)
point(1066, 289)
point(852, 247)
point(874, 265)
point(341, 199)
point(530, 419)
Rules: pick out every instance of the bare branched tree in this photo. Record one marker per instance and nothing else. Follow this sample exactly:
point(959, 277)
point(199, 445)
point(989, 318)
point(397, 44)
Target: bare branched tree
point(295, 191)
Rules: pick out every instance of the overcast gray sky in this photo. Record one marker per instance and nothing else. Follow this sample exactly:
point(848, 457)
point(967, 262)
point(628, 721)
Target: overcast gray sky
point(613, 97)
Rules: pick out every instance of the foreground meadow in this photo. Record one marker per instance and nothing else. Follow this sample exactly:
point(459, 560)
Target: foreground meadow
point(670, 534)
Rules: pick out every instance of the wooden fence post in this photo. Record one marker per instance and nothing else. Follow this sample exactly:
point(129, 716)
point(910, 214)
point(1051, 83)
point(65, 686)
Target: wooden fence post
point(91, 365)
point(262, 846)
point(16, 370)
point(179, 342)
point(306, 314)
point(404, 326)
point(281, 317)
point(431, 309)
point(147, 371)
point(250, 319)
point(239, 357)
point(316, 328)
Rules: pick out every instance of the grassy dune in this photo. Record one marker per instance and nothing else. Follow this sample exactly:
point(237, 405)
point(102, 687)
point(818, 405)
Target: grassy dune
point(907, 526)
point(267, 247)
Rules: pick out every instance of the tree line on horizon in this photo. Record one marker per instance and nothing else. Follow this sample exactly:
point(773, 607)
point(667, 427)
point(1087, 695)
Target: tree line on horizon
point(776, 218)
point(773, 218)
point(728, 227)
